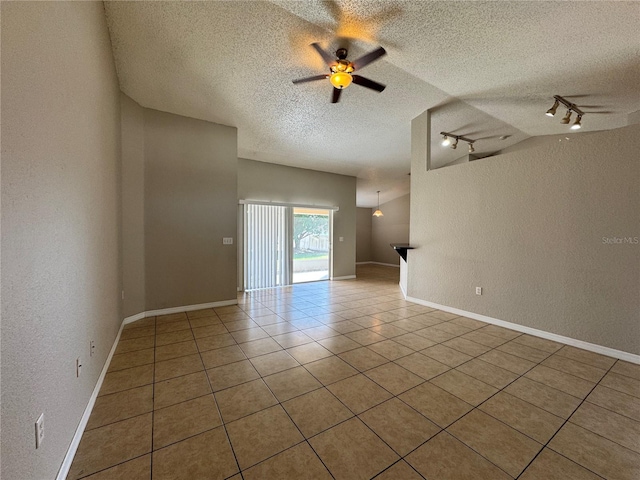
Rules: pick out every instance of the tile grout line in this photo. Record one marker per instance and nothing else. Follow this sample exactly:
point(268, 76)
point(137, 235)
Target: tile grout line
point(153, 397)
point(222, 422)
point(561, 426)
point(487, 399)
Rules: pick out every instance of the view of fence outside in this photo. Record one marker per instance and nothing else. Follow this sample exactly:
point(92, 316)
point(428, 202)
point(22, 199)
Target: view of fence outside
point(311, 245)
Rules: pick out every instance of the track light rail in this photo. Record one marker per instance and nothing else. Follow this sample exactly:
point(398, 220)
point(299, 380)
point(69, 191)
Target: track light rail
point(570, 106)
point(457, 137)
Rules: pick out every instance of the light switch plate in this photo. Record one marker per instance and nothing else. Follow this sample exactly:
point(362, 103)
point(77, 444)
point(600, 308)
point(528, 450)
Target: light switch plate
point(227, 240)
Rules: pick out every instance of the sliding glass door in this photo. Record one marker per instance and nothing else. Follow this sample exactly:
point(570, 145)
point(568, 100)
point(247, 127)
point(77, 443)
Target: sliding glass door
point(285, 245)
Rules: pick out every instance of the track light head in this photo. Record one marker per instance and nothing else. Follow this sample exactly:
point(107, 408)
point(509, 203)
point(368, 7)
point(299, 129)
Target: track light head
point(454, 145)
point(567, 118)
point(552, 111)
point(445, 141)
point(577, 125)
point(471, 149)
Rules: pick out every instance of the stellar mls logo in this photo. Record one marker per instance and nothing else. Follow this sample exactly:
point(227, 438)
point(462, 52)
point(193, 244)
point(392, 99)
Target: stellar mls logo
point(620, 240)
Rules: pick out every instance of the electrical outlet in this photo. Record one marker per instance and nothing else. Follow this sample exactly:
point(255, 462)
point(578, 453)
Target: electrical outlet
point(39, 430)
point(92, 348)
point(78, 367)
point(478, 290)
point(341, 239)
point(227, 240)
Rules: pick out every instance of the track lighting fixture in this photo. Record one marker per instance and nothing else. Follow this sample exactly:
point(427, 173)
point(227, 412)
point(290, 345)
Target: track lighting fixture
point(552, 111)
point(447, 141)
point(571, 107)
point(577, 125)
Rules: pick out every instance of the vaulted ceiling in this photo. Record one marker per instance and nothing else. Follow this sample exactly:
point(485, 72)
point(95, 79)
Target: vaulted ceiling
point(485, 69)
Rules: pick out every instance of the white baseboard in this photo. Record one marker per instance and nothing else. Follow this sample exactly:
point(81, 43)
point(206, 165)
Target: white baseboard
point(386, 264)
point(379, 263)
point(75, 442)
point(592, 347)
point(187, 308)
point(346, 277)
point(134, 318)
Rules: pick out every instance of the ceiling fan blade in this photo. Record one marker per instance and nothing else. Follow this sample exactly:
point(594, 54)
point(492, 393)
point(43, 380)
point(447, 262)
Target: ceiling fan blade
point(328, 59)
point(366, 59)
point(310, 79)
point(335, 98)
point(365, 82)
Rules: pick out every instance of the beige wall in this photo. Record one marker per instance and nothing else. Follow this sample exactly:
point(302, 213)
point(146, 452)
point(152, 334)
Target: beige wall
point(278, 183)
point(393, 227)
point(132, 134)
point(363, 234)
point(528, 227)
point(190, 204)
point(60, 223)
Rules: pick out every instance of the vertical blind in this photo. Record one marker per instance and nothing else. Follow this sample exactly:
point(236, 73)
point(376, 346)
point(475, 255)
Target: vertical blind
point(267, 245)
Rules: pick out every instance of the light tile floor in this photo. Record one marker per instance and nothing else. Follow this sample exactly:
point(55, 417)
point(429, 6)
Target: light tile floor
point(347, 380)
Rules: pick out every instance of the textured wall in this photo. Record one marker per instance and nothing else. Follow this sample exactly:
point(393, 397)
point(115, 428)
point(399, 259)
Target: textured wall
point(60, 223)
point(393, 227)
point(363, 234)
point(190, 203)
point(132, 134)
point(278, 183)
point(528, 227)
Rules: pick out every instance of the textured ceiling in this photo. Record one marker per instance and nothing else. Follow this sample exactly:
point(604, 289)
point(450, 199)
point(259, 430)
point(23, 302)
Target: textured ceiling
point(486, 69)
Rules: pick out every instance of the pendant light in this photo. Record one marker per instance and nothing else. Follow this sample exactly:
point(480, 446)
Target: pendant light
point(378, 212)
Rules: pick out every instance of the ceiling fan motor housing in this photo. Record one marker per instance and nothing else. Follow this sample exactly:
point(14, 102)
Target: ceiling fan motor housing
point(341, 53)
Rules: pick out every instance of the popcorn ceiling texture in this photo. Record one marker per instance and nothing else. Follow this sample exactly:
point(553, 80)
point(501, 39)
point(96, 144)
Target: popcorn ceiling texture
point(233, 62)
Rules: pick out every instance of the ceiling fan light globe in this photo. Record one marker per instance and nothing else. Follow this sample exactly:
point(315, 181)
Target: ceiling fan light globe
point(378, 213)
point(340, 80)
point(445, 141)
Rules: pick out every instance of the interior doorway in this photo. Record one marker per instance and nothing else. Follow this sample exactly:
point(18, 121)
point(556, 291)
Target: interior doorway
point(311, 244)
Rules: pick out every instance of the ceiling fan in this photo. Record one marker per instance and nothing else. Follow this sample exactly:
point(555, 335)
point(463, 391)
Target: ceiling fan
point(341, 71)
